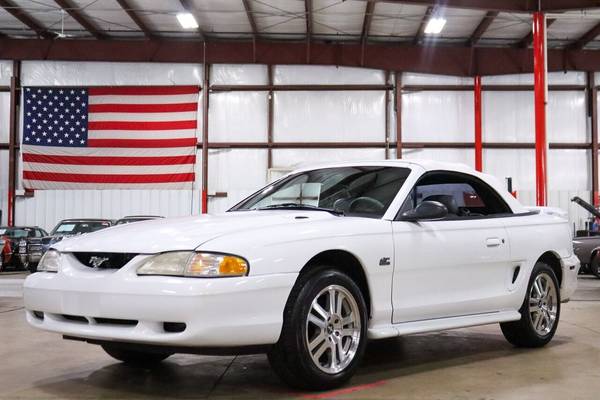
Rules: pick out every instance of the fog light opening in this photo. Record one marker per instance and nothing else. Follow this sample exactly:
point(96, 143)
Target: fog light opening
point(39, 315)
point(174, 327)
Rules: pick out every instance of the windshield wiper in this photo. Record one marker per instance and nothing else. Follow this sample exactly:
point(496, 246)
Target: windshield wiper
point(298, 206)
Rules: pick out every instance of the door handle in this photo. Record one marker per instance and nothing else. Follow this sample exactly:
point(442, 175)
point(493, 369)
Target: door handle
point(493, 242)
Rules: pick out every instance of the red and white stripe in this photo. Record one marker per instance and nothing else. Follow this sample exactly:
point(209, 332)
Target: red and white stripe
point(138, 137)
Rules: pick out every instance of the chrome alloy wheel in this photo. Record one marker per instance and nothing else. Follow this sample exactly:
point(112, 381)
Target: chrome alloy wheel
point(543, 304)
point(333, 329)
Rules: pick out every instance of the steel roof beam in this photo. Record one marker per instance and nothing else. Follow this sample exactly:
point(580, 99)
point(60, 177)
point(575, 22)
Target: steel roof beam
point(250, 16)
point(73, 10)
point(20, 14)
point(586, 38)
point(136, 18)
point(421, 31)
point(189, 7)
point(528, 40)
point(482, 27)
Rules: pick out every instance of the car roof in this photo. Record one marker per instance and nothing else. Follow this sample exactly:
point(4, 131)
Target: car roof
point(427, 165)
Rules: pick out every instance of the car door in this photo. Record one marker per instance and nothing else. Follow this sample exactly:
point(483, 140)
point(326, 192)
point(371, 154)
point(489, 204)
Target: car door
point(455, 266)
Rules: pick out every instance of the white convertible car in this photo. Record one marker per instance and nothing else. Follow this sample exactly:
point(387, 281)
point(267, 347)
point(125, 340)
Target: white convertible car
point(312, 266)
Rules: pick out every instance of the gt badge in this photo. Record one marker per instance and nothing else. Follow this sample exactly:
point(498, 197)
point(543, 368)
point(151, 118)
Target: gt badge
point(384, 261)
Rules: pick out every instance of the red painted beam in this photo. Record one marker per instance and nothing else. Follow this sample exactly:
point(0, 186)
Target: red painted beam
point(441, 60)
point(539, 74)
point(478, 124)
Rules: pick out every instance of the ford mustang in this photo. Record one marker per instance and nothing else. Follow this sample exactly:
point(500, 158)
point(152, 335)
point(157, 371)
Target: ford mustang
point(312, 266)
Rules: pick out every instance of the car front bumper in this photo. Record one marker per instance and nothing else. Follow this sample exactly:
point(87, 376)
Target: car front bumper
point(118, 305)
point(570, 269)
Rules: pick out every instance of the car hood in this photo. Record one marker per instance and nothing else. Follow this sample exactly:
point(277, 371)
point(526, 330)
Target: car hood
point(155, 236)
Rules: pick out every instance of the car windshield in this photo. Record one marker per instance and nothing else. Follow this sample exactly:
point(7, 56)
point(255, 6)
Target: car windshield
point(360, 191)
point(77, 227)
point(14, 232)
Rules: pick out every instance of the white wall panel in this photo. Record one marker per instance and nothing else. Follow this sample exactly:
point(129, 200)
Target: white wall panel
point(48, 207)
point(238, 117)
point(238, 74)
point(349, 116)
point(463, 156)
point(518, 164)
point(4, 186)
point(308, 74)
point(239, 172)
point(508, 117)
point(4, 116)
point(109, 73)
point(409, 78)
point(554, 78)
point(5, 72)
point(437, 117)
point(297, 158)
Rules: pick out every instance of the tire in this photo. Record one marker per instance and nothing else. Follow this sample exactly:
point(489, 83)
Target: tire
point(594, 266)
point(291, 358)
point(134, 357)
point(33, 267)
point(523, 333)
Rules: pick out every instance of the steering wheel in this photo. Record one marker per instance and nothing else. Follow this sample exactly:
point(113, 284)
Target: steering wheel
point(366, 204)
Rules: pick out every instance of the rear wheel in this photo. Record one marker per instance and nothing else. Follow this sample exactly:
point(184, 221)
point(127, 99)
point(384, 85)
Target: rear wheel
point(324, 331)
point(540, 311)
point(134, 357)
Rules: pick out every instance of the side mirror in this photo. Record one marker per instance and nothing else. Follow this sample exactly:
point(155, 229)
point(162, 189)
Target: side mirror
point(427, 210)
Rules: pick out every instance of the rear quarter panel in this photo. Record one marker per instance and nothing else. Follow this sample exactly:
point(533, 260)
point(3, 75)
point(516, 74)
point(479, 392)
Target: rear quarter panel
point(533, 235)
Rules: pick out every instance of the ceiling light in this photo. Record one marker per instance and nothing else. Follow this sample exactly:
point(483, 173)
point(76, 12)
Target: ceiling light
point(187, 20)
point(435, 25)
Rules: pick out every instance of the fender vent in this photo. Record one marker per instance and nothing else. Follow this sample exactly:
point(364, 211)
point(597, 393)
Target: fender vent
point(104, 260)
point(516, 273)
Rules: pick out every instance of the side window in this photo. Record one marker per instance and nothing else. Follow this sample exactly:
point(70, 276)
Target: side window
point(464, 196)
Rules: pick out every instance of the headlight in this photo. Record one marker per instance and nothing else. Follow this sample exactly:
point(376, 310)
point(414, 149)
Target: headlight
point(50, 262)
point(192, 264)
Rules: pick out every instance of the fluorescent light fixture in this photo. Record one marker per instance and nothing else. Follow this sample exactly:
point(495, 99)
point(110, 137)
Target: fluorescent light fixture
point(187, 20)
point(435, 25)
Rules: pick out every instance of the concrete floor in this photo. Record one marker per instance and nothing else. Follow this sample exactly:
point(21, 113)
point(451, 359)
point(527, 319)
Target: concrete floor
point(474, 363)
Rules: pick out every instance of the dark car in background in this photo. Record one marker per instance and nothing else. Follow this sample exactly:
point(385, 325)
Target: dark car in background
point(136, 218)
point(64, 229)
point(586, 243)
point(14, 244)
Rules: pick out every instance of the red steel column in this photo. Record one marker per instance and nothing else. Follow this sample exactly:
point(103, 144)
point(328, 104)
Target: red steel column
point(540, 90)
point(478, 129)
point(205, 105)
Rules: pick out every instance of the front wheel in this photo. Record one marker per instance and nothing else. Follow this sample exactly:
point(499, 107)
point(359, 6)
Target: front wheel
point(540, 311)
point(324, 331)
point(134, 357)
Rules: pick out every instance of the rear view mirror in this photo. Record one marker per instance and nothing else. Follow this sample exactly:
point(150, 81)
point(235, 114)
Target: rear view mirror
point(427, 210)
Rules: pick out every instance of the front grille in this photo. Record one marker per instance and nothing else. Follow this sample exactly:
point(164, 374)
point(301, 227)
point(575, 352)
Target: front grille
point(104, 260)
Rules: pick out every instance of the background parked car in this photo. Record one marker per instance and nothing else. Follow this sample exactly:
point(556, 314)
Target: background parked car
point(136, 218)
point(64, 229)
point(14, 243)
point(586, 243)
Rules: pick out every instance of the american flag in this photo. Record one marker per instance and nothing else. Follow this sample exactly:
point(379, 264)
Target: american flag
point(113, 137)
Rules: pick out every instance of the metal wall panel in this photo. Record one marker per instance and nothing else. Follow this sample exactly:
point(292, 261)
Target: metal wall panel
point(437, 116)
point(237, 172)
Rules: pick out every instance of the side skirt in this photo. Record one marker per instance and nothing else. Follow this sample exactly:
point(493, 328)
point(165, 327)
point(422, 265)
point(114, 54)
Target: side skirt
point(441, 324)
